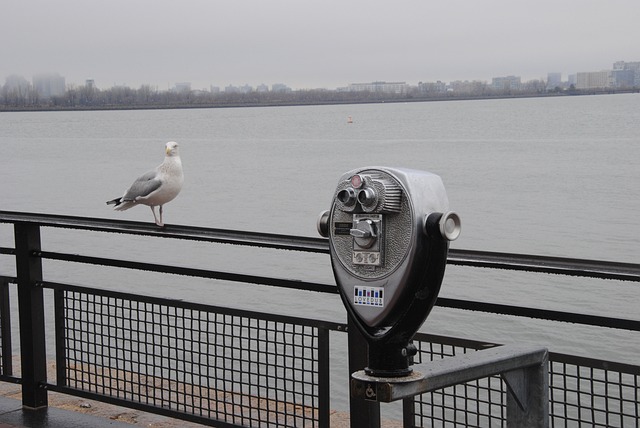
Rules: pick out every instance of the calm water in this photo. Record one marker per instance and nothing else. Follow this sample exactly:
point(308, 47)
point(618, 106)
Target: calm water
point(555, 176)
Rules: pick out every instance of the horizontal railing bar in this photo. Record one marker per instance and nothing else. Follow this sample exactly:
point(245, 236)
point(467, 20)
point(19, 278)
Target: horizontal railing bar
point(545, 314)
point(606, 365)
point(545, 264)
point(11, 379)
point(472, 258)
point(200, 273)
point(256, 239)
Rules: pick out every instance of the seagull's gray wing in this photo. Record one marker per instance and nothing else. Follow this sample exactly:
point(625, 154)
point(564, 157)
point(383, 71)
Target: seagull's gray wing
point(143, 186)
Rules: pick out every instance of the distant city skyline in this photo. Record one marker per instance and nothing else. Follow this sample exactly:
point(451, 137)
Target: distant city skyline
point(206, 85)
point(312, 44)
point(620, 73)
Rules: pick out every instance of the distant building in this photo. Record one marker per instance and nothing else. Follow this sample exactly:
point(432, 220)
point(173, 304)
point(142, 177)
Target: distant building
point(623, 78)
point(432, 87)
point(384, 87)
point(182, 87)
point(15, 83)
point(230, 89)
point(262, 88)
point(49, 85)
point(507, 83)
point(244, 89)
point(594, 79)
point(554, 80)
point(280, 87)
point(623, 75)
point(474, 87)
point(631, 68)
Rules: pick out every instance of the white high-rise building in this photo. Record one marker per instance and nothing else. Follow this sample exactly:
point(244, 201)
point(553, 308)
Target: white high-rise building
point(594, 79)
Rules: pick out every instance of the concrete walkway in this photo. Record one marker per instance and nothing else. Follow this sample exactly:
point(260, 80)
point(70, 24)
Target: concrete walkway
point(12, 415)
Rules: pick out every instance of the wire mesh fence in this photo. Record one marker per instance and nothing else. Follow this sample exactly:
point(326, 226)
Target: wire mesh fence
point(593, 393)
point(209, 363)
point(480, 403)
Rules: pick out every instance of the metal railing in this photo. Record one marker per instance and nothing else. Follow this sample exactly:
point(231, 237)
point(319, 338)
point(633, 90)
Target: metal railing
point(226, 367)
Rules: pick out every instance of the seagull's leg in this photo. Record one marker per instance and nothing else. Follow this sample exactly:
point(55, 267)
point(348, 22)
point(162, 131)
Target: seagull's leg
point(160, 209)
point(155, 218)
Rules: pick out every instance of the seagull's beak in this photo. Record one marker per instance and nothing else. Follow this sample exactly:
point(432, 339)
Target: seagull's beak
point(167, 150)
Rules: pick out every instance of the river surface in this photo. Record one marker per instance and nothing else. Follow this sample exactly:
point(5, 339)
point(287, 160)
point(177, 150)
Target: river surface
point(549, 176)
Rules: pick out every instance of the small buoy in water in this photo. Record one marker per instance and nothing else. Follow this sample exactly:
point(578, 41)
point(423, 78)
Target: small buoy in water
point(349, 120)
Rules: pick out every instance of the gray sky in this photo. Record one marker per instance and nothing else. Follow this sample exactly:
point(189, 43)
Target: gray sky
point(312, 43)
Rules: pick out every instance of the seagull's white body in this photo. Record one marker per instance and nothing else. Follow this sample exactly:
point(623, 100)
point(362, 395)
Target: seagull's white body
point(155, 188)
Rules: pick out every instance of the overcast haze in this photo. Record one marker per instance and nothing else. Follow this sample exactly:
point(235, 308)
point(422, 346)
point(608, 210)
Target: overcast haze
point(312, 43)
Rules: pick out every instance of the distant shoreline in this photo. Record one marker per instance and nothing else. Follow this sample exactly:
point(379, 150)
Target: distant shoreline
point(295, 102)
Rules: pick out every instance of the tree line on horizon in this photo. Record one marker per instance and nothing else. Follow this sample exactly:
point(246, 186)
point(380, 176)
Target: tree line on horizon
point(89, 97)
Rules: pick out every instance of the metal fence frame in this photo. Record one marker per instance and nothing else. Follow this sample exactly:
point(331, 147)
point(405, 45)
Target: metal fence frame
point(583, 391)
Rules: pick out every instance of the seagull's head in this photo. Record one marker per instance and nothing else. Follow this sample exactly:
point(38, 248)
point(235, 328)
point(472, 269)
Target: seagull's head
point(171, 148)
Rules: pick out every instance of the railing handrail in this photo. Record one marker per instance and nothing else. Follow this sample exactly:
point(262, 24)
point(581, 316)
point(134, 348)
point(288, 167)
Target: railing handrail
point(473, 258)
point(556, 265)
point(192, 233)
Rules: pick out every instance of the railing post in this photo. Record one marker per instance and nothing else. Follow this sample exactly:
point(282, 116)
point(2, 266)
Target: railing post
point(31, 307)
point(364, 414)
point(408, 412)
point(5, 326)
point(324, 395)
point(528, 396)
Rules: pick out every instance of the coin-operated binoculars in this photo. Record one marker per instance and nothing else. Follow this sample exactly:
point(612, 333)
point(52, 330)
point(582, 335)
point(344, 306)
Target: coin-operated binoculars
point(389, 231)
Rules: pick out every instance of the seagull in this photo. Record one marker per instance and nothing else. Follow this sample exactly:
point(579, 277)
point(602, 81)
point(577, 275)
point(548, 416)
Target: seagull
point(155, 188)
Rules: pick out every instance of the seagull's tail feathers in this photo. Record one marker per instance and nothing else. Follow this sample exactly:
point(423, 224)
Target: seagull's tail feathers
point(121, 205)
